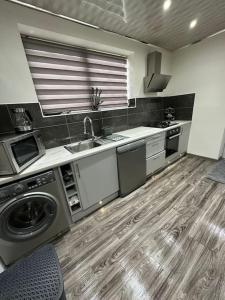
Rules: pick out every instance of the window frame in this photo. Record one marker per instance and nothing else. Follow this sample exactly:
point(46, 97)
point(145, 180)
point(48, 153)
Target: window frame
point(76, 47)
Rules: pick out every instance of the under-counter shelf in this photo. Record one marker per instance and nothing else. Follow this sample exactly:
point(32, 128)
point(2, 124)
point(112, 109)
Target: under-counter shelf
point(70, 188)
point(68, 185)
point(71, 192)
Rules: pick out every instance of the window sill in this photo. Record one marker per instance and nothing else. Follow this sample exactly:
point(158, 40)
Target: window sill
point(84, 112)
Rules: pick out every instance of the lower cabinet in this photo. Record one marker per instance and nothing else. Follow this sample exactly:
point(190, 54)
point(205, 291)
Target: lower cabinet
point(155, 144)
point(97, 177)
point(184, 137)
point(155, 162)
point(155, 153)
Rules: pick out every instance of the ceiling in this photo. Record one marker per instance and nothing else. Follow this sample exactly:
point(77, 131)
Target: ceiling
point(145, 20)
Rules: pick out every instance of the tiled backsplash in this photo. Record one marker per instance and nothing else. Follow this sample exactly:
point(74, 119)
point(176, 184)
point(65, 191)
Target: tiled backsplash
point(61, 130)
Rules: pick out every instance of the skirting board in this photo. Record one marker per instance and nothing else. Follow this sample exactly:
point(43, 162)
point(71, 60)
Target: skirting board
point(76, 217)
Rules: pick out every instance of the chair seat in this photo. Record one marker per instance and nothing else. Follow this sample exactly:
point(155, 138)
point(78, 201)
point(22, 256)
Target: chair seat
point(37, 276)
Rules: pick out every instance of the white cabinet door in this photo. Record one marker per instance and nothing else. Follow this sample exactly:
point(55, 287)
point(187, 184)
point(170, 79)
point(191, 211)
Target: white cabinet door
point(97, 177)
point(184, 137)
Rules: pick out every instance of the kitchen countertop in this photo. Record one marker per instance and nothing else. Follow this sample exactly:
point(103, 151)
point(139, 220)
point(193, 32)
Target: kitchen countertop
point(55, 157)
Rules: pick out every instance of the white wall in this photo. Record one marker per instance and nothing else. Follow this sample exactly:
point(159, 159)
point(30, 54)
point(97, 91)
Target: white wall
point(15, 79)
point(200, 69)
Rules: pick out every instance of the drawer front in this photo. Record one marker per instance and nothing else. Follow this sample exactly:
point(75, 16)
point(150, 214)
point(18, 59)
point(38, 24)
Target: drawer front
point(156, 137)
point(154, 146)
point(155, 162)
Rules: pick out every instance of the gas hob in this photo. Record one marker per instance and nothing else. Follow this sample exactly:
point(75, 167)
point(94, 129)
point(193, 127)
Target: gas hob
point(162, 124)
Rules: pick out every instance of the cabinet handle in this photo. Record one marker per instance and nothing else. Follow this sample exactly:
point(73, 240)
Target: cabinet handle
point(134, 150)
point(154, 140)
point(155, 144)
point(174, 136)
point(159, 136)
point(157, 156)
point(78, 170)
point(152, 143)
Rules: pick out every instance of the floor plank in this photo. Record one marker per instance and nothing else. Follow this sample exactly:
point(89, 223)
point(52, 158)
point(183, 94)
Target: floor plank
point(166, 241)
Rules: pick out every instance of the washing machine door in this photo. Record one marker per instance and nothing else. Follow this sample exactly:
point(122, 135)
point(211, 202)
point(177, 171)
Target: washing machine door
point(27, 216)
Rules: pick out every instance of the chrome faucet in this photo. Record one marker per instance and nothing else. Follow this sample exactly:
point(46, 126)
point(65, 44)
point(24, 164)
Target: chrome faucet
point(85, 127)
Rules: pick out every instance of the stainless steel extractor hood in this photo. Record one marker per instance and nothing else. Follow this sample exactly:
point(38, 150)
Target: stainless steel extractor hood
point(155, 81)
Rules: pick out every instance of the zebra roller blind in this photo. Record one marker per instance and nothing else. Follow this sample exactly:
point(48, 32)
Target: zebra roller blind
point(63, 76)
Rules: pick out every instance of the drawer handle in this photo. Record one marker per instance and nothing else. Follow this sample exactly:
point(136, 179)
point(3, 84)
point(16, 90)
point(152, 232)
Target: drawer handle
point(156, 137)
point(151, 143)
point(155, 157)
point(134, 150)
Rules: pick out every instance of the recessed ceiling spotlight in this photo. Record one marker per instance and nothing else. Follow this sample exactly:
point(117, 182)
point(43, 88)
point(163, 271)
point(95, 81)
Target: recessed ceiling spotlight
point(167, 4)
point(193, 23)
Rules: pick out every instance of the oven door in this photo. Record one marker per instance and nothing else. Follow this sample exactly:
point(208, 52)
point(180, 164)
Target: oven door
point(172, 144)
point(24, 150)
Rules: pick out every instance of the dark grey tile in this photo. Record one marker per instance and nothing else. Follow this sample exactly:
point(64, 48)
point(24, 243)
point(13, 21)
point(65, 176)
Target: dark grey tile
point(156, 116)
point(184, 113)
point(139, 107)
point(143, 99)
point(134, 110)
point(174, 102)
point(180, 101)
point(135, 120)
point(116, 123)
point(38, 120)
point(98, 126)
point(80, 117)
point(114, 113)
point(147, 99)
point(189, 100)
point(5, 120)
point(153, 104)
point(76, 131)
point(55, 136)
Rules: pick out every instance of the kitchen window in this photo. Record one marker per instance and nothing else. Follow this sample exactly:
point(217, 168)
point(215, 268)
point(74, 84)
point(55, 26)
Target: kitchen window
point(64, 76)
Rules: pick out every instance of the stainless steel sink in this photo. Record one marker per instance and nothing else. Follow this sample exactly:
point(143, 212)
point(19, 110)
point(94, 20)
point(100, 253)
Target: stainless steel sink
point(81, 146)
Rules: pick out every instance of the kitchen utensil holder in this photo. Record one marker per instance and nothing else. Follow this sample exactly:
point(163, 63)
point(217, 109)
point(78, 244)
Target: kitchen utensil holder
point(96, 98)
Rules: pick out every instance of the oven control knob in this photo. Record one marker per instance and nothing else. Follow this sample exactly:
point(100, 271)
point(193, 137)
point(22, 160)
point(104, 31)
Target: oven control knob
point(18, 188)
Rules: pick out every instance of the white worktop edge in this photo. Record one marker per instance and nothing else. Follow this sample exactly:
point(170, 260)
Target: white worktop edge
point(57, 156)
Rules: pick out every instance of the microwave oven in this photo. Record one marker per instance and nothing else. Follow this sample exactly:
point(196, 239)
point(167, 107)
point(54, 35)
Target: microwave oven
point(17, 152)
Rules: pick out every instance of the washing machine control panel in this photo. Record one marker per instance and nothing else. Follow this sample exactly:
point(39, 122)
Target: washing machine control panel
point(12, 190)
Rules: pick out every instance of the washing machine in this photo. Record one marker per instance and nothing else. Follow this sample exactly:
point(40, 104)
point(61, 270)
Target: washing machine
point(32, 212)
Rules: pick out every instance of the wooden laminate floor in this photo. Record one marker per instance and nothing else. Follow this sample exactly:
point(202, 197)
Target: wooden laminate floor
point(164, 241)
